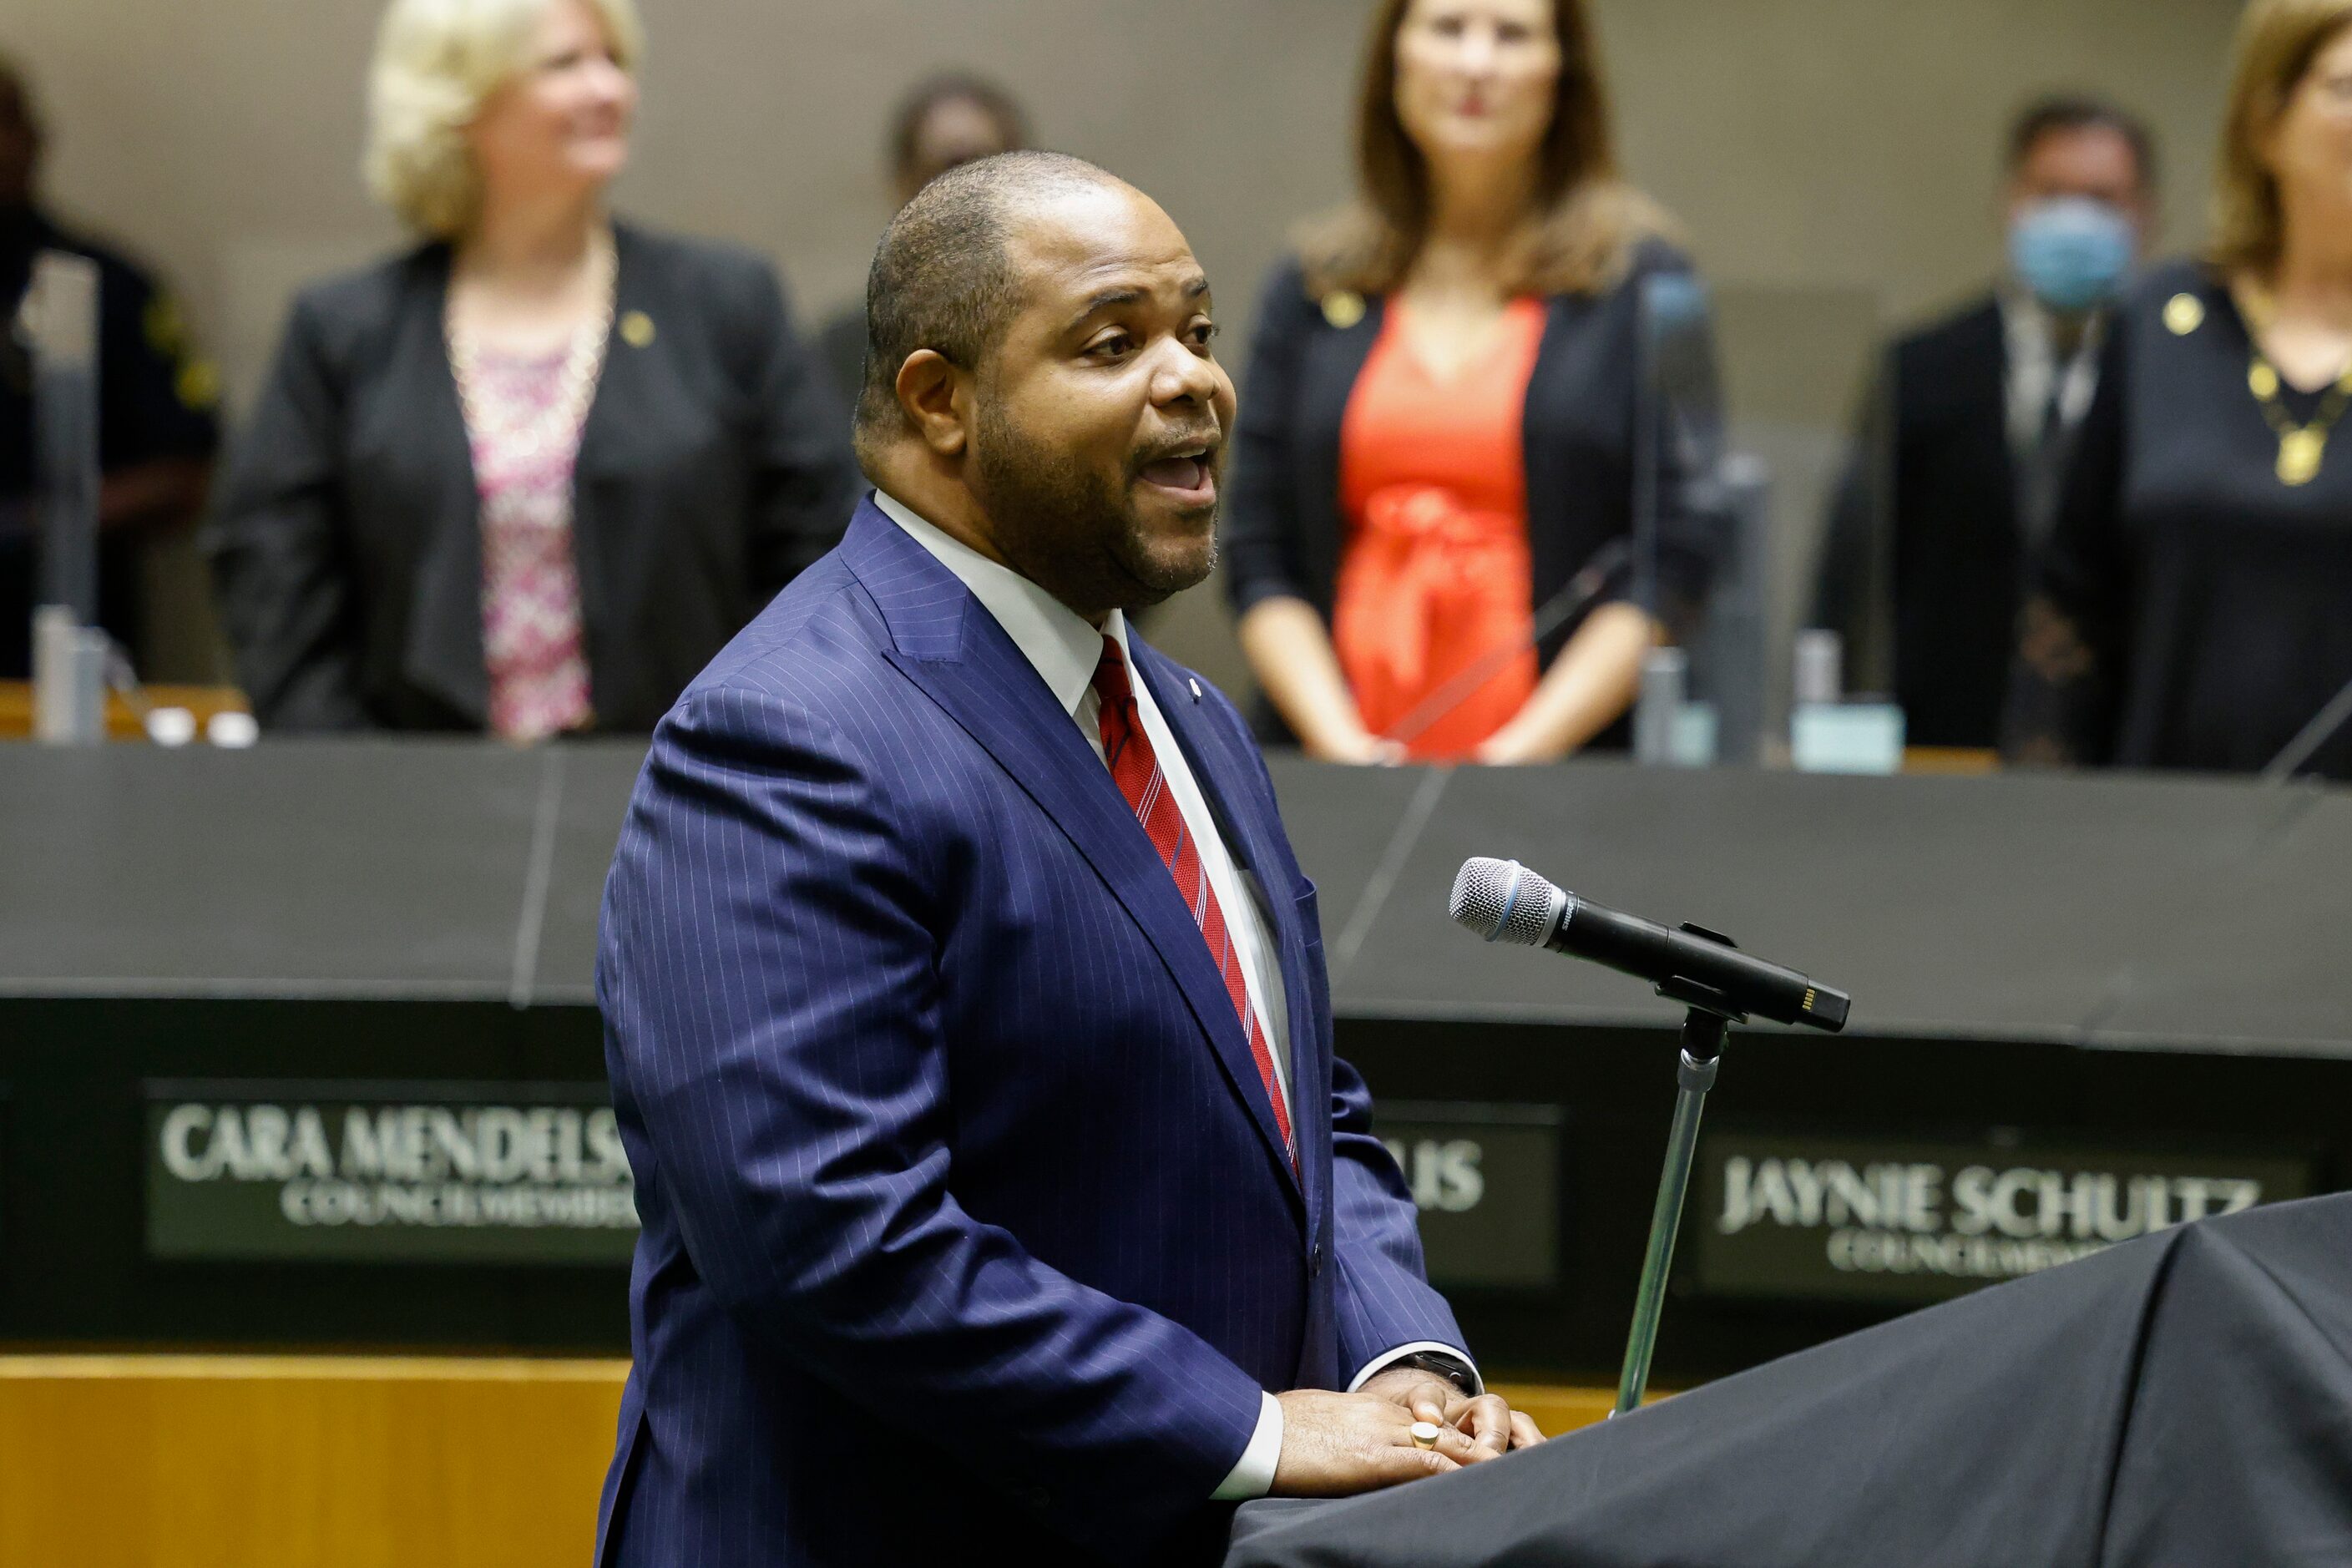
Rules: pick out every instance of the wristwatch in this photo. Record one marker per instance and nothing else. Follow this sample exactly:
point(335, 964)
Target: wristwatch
point(1445, 1366)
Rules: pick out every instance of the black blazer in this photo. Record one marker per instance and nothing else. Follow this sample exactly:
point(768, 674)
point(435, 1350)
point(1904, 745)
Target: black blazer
point(346, 540)
point(2190, 609)
point(1283, 528)
point(1956, 563)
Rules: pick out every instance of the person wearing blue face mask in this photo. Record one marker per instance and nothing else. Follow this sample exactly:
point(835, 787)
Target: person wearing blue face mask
point(2192, 606)
point(2071, 252)
point(1965, 436)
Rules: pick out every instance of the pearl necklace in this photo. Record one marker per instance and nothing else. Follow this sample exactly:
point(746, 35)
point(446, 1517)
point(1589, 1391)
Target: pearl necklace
point(491, 422)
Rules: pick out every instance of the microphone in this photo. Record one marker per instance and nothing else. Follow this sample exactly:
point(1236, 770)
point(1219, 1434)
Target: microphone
point(1502, 900)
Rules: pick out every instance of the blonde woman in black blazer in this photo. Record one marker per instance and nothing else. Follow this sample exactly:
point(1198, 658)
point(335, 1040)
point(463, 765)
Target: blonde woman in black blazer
point(347, 541)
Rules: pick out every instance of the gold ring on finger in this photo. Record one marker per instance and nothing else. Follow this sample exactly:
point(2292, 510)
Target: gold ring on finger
point(1425, 1433)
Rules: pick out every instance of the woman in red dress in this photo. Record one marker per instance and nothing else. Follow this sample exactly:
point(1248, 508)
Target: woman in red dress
point(1438, 435)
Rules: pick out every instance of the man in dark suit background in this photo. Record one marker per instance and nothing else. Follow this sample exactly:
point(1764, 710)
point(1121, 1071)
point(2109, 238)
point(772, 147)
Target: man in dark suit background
point(966, 1013)
point(155, 426)
point(1965, 433)
point(944, 123)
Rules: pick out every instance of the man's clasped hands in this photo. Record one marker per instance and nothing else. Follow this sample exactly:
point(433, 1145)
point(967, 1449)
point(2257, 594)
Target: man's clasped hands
point(1335, 1445)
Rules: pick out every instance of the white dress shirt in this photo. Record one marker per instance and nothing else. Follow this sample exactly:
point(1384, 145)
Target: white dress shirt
point(1065, 648)
point(2046, 399)
point(2037, 376)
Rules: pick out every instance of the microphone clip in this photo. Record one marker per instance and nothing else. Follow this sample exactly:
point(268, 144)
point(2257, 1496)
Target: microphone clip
point(1700, 999)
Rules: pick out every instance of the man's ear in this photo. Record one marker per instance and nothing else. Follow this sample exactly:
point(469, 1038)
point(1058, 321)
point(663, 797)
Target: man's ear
point(932, 392)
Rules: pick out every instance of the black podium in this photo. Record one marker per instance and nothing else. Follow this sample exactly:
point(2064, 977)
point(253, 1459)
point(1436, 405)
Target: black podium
point(2184, 1401)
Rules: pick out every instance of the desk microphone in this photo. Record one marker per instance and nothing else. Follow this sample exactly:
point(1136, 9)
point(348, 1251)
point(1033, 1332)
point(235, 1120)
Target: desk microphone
point(1502, 900)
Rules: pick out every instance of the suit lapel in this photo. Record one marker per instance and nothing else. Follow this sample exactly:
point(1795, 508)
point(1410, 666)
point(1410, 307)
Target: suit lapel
point(1988, 375)
point(628, 430)
point(953, 649)
point(444, 652)
point(1225, 779)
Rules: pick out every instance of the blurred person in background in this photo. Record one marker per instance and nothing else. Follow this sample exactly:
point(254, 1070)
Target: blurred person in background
point(1964, 438)
point(2194, 607)
point(946, 121)
point(1438, 435)
point(528, 477)
point(155, 427)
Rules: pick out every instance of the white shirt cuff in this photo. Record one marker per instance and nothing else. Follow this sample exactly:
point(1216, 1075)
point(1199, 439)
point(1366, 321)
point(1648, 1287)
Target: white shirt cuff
point(1381, 1363)
point(1252, 1473)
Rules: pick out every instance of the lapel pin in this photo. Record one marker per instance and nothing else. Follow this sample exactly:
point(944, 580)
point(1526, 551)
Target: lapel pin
point(1196, 689)
point(637, 329)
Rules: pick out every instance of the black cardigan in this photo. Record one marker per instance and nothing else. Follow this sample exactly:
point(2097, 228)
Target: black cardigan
point(1282, 522)
point(346, 540)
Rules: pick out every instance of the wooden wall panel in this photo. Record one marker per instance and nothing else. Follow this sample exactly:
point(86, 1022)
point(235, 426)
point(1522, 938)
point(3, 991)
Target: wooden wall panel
point(253, 1462)
point(334, 1462)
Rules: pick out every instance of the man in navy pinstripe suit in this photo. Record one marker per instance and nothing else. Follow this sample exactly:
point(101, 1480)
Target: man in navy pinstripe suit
point(966, 1011)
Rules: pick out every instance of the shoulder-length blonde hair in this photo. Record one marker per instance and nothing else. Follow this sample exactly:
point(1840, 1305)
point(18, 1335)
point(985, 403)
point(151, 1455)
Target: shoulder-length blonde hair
point(1583, 222)
point(2277, 40)
point(436, 61)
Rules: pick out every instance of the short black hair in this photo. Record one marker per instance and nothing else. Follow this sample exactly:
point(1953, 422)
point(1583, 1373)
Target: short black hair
point(2081, 112)
point(942, 276)
point(16, 93)
point(953, 87)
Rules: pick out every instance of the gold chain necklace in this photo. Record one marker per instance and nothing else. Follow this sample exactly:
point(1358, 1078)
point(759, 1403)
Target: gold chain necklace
point(2301, 446)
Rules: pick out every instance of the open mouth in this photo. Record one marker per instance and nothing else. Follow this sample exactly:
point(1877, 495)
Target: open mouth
point(1186, 474)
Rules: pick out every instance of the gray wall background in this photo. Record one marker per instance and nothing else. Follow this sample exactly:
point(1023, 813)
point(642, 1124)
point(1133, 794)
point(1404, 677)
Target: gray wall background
point(1835, 160)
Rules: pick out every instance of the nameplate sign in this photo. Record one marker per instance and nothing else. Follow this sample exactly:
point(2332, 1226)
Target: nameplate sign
point(344, 1172)
point(1897, 1221)
point(1485, 1180)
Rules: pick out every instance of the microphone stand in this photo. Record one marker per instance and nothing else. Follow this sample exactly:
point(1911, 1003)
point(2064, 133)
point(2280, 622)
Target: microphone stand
point(59, 319)
point(1705, 1025)
point(2317, 731)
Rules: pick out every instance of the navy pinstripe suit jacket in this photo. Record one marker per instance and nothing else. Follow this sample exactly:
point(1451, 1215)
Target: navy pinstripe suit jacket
point(967, 1225)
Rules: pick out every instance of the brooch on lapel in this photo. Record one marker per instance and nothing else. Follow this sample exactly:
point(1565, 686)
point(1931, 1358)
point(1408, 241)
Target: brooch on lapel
point(1196, 689)
point(1343, 308)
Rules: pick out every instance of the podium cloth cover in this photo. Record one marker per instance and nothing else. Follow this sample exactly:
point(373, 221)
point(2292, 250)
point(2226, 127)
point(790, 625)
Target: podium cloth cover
point(2184, 1399)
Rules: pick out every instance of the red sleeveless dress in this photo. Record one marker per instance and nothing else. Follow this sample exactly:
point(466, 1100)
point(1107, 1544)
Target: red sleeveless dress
point(1433, 609)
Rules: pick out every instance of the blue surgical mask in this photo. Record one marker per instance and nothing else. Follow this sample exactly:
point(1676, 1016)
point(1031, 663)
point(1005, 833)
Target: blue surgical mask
point(2073, 252)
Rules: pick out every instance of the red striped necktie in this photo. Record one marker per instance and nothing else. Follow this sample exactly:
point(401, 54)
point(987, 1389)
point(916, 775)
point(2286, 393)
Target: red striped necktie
point(1135, 770)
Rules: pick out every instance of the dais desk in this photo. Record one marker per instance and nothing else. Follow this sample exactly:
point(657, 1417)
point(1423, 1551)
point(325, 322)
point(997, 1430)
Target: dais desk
point(252, 1002)
point(122, 722)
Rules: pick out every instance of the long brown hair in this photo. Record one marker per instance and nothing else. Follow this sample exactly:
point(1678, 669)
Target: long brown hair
point(1583, 220)
point(2277, 41)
